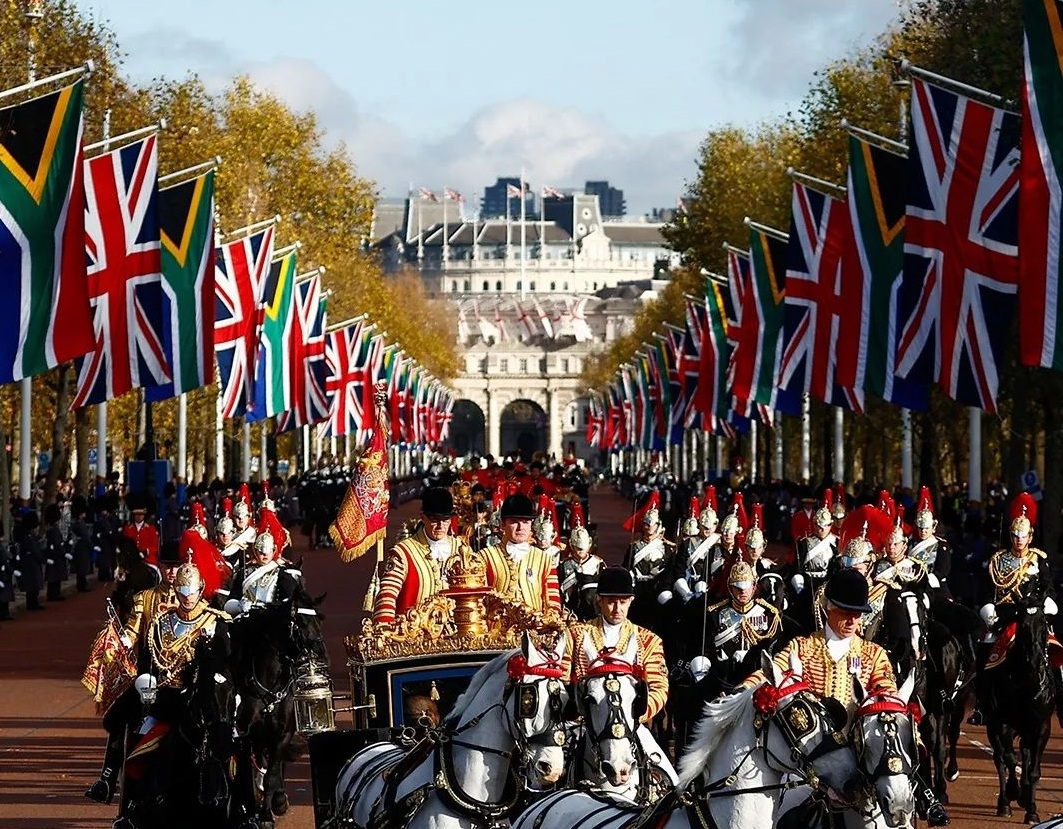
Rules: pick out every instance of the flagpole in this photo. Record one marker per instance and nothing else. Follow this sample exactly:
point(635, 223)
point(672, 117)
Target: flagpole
point(263, 448)
point(307, 465)
point(182, 437)
point(523, 231)
point(219, 436)
point(542, 232)
point(192, 171)
point(777, 463)
point(126, 137)
point(31, 47)
point(907, 479)
point(806, 439)
point(839, 444)
point(101, 408)
point(245, 446)
point(753, 451)
point(974, 463)
point(446, 247)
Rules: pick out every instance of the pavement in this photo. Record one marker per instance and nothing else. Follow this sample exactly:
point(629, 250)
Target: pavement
point(51, 741)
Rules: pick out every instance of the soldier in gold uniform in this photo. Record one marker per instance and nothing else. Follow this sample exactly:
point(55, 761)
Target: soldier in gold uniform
point(414, 569)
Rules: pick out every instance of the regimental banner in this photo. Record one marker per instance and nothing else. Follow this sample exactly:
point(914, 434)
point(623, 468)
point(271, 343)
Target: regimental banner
point(42, 235)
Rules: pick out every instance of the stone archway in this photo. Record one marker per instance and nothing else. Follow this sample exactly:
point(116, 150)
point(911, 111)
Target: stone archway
point(523, 429)
point(467, 430)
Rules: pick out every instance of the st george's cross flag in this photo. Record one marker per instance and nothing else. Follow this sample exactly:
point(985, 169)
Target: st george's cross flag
point(43, 289)
point(960, 243)
point(241, 269)
point(123, 248)
point(186, 222)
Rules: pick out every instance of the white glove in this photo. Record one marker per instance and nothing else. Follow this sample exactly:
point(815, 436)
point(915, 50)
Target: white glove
point(17, 573)
point(245, 605)
point(926, 601)
point(2, 585)
point(699, 666)
point(682, 589)
point(701, 588)
point(68, 556)
point(989, 614)
point(127, 643)
point(664, 597)
point(738, 656)
point(49, 562)
point(797, 582)
point(96, 549)
point(232, 607)
point(1050, 606)
point(933, 580)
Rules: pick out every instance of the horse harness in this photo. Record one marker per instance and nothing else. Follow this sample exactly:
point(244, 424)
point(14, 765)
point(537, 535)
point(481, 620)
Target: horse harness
point(439, 742)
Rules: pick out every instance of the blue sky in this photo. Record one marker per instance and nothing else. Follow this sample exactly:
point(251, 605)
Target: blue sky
point(454, 94)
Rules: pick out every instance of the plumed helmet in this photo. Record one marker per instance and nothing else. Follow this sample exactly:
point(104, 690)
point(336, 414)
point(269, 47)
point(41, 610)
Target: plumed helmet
point(755, 539)
point(188, 576)
point(267, 498)
point(690, 527)
point(709, 502)
point(708, 518)
point(224, 526)
point(741, 575)
point(580, 539)
point(241, 510)
point(647, 515)
point(729, 525)
point(543, 527)
point(1023, 514)
point(823, 517)
point(857, 551)
point(924, 511)
point(266, 544)
point(651, 517)
point(838, 510)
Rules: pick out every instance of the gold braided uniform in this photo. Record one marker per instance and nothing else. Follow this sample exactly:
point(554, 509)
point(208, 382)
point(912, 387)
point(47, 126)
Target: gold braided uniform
point(411, 576)
point(834, 678)
point(650, 655)
point(171, 640)
point(146, 605)
point(532, 580)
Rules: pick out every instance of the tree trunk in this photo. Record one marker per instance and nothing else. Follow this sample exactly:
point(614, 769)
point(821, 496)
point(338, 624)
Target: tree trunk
point(60, 447)
point(5, 483)
point(83, 478)
point(928, 451)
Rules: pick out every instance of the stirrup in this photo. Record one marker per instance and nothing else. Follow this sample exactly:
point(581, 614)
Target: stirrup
point(123, 823)
point(102, 791)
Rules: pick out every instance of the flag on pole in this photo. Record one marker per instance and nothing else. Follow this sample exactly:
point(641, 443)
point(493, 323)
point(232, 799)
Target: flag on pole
point(241, 268)
point(427, 194)
point(823, 305)
point(273, 366)
point(960, 243)
point(309, 402)
point(551, 193)
point(42, 235)
point(876, 202)
point(186, 224)
point(124, 258)
point(1041, 199)
point(513, 191)
point(767, 256)
point(453, 195)
point(348, 383)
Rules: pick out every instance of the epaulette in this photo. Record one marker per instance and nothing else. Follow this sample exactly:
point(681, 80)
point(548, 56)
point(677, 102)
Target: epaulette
point(766, 605)
point(718, 605)
point(1038, 552)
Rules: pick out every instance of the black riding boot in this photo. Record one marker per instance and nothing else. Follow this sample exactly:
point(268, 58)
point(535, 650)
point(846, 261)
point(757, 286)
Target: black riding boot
point(1057, 676)
point(927, 804)
point(102, 791)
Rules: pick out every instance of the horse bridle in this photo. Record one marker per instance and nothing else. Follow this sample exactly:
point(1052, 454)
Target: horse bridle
point(888, 710)
point(525, 695)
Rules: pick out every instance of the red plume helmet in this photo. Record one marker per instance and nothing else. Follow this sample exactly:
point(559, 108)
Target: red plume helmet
point(924, 510)
point(878, 525)
point(824, 515)
point(575, 517)
point(210, 563)
point(245, 494)
point(653, 504)
point(738, 504)
point(227, 507)
point(710, 499)
point(1023, 509)
point(197, 515)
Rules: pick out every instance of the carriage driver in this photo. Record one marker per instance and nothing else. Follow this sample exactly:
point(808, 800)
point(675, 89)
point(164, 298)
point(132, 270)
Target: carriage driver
point(832, 657)
point(612, 633)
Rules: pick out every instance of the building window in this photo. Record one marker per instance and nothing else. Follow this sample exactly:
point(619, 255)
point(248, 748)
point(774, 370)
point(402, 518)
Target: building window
point(564, 286)
point(483, 365)
point(523, 366)
point(503, 365)
point(564, 365)
point(454, 286)
point(595, 284)
point(553, 286)
point(466, 286)
point(487, 285)
point(498, 285)
point(531, 286)
point(520, 285)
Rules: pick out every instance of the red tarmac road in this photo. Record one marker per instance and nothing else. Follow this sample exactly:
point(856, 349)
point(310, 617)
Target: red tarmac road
point(51, 740)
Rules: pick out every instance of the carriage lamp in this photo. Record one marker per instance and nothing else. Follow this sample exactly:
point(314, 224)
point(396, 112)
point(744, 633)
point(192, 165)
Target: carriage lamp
point(147, 686)
point(312, 693)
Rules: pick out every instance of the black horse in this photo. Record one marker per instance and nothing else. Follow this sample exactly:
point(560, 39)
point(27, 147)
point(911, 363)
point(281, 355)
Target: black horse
point(949, 675)
point(134, 575)
point(183, 779)
point(1018, 700)
point(270, 644)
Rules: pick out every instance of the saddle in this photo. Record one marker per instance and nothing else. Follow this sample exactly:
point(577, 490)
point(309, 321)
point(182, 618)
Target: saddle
point(1006, 639)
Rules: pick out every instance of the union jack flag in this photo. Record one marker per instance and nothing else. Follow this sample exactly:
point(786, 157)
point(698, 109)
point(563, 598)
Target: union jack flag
point(124, 254)
point(551, 193)
point(961, 243)
point(689, 365)
point(427, 194)
point(595, 423)
point(453, 195)
point(823, 305)
point(310, 403)
point(242, 266)
point(353, 359)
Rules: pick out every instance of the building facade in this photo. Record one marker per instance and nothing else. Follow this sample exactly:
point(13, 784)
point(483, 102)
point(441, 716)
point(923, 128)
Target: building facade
point(531, 304)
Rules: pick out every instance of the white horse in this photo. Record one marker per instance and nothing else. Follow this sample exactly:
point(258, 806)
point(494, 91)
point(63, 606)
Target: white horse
point(507, 725)
point(732, 774)
point(618, 753)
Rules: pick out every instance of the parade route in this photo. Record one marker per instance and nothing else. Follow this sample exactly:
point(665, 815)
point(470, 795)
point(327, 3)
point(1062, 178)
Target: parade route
point(51, 741)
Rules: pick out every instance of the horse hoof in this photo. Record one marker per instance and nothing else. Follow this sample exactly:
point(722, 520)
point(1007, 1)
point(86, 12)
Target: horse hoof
point(953, 774)
point(279, 803)
point(1033, 817)
point(1003, 811)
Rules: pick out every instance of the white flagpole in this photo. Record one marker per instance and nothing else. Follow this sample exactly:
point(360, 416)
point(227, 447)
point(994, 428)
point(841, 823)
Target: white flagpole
point(906, 448)
point(263, 448)
point(974, 464)
point(420, 231)
point(246, 446)
point(101, 408)
point(219, 437)
point(806, 440)
point(446, 246)
point(509, 230)
point(307, 465)
point(182, 437)
point(475, 236)
point(753, 450)
point(777, 464)
point(523, 232)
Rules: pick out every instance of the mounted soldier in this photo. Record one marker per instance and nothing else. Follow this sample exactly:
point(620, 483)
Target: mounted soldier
point(649, 558)
point(815, 555)
point(928, 549)
point(579, 569)
point(545, 528)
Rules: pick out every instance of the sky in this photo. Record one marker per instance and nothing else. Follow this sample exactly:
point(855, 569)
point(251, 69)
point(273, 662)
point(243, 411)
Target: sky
point(455, 94)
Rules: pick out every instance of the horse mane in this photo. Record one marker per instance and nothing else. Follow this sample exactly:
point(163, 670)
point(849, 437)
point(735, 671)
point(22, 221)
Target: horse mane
point(476, 684)
point(717, 719)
